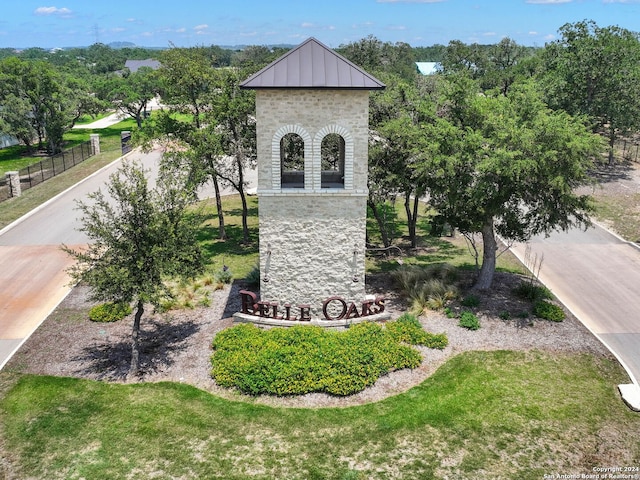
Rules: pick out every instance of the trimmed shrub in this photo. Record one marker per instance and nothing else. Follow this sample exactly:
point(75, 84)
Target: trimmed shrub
point(532, 292)
point(307, 358)
point(548, 311)
point(253, 277)
point(224, 275)
point(470, 301)
point(469, 320)
point(109, 312)
point(407, 329)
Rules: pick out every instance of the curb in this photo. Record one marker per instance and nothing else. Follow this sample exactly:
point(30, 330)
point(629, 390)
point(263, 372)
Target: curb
point(630, 393)
point(52, 199)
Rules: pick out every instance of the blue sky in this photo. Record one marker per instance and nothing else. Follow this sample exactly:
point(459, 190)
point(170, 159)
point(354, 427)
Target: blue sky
point(62, 23)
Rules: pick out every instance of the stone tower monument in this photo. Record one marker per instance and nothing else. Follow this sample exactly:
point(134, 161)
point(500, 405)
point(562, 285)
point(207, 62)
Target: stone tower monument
point(312, 114)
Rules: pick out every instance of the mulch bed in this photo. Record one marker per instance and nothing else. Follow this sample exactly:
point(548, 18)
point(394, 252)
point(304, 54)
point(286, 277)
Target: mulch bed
point(176, 346)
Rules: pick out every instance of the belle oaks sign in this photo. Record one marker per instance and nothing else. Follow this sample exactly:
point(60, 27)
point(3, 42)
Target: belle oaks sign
point(333, 308)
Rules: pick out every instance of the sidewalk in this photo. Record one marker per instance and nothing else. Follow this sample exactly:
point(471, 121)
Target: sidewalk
point(103, 122)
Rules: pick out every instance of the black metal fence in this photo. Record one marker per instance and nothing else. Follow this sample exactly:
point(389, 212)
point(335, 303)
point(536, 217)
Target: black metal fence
point(125, 142)
point(37, 173)
point(628, 149)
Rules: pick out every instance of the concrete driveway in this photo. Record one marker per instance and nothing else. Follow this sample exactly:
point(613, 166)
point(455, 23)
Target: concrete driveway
point(597, 276)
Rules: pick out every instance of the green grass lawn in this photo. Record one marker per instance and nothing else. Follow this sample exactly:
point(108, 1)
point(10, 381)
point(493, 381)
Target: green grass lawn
point(86, 119)
point(509, 415)
point(238, 256)
point(504, 415)
point(14, 208)
point(16, 157)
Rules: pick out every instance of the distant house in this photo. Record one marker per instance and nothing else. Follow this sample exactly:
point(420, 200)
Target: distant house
point(428, 68)
point(134, 65)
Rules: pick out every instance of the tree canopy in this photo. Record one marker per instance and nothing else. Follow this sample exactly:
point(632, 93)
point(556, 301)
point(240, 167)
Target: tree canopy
point(506, 165)
point(595, 71)
point(138, 238)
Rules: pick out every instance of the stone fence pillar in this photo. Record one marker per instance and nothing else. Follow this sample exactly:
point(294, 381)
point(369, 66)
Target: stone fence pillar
point(14, 181)
point(95, 143)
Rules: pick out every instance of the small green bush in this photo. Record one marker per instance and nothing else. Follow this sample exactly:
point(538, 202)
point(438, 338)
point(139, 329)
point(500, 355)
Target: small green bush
point(253, 277)
point(470, 301)
point(548, 311)
point(449, 313)
point(307, 358)
point(109, 312)
point(224, 275)
point(532, 292)
point(469, 320)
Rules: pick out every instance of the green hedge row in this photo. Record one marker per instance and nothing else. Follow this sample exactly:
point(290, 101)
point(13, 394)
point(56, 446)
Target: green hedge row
point(303, 359)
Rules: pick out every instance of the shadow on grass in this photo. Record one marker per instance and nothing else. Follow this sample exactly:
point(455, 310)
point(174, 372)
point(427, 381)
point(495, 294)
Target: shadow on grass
point(160, 342)
point(433, 250)
point(604, 173)
point(212, 246)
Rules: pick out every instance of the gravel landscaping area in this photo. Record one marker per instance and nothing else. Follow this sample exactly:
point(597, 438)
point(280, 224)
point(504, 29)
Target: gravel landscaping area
point(176, 346)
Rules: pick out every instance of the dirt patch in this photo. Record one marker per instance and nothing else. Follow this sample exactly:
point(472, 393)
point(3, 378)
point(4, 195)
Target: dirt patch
point(176, 346)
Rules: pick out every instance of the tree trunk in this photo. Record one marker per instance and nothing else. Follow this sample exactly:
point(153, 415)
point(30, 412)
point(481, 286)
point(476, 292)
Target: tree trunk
point(380, 222)
point(612, 141)
point(489, 248)
point(243, 197)
point(135, 341)
point(412, 216)
point(222, 233)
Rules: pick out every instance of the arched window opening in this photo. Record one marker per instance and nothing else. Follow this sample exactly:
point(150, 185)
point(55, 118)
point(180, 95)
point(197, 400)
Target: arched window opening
point(332, 158)
point(292, 161)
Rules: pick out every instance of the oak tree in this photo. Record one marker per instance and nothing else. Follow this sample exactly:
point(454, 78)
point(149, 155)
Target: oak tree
point(139, 237)
point(506, 165)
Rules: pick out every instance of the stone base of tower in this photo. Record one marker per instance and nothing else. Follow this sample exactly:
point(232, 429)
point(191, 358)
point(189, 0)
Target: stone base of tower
point(274, 322)
point(312, 247)
point(312, 261)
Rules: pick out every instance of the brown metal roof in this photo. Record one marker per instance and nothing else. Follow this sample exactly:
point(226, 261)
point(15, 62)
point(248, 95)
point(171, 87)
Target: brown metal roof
point(312, 65)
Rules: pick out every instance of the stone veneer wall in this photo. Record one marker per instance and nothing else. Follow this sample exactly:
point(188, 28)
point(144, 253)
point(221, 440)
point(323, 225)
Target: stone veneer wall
point(312, 248)
point(312, 240)
point(309, 113)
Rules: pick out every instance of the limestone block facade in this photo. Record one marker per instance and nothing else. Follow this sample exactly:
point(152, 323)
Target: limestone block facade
point(312, 239)
point(312, 123)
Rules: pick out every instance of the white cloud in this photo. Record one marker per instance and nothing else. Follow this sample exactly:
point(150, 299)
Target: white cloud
point(318, 27)
point(63, 12)
point(181, 30)
point(620, 1)
point(489, 34)
point(533, 32)
point(199, 28)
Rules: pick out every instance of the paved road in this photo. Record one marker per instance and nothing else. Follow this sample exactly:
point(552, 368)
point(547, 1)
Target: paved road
point(597, 276)
point(32, 278)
